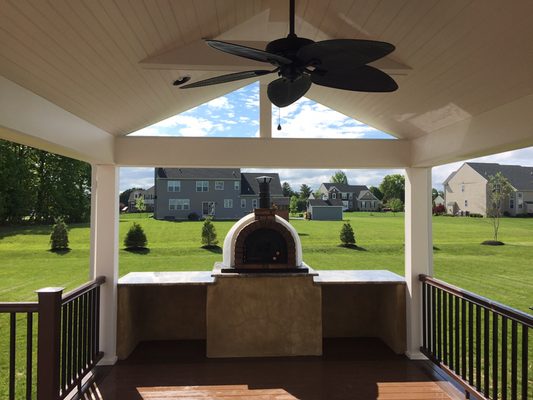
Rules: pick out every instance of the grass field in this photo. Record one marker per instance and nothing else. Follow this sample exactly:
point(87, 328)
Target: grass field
point(503, 273)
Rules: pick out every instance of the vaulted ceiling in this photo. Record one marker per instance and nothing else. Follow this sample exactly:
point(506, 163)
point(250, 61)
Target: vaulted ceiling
point(112, 62)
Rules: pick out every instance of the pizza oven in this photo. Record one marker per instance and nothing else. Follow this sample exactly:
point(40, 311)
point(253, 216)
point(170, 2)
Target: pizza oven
point(262, 241)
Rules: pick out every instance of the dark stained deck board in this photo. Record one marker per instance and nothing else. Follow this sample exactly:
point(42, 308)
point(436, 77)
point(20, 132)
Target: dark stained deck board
point(349, 369)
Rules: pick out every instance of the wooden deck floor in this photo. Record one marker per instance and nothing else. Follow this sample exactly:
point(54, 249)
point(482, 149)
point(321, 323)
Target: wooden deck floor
point(349, 369)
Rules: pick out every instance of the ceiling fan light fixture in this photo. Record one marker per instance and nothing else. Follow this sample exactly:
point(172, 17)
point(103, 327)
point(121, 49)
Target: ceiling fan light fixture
point(182, 80)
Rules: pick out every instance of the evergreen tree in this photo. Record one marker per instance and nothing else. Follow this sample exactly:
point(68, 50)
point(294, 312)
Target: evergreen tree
point(135, 238)
point(287, 190)
point(59, 236)
point(347, 235)
point(376, 192)
point(209, 234)
point(305, 191)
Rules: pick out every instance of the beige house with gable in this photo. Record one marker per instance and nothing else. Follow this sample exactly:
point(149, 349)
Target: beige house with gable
point(466, 189)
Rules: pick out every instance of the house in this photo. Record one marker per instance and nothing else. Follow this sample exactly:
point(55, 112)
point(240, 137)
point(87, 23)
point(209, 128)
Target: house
point(325, 210)
point(353, 197)
point(221, 193)
point(466, 190)
point(76, 78)
point(439, 200)
point(148, 196)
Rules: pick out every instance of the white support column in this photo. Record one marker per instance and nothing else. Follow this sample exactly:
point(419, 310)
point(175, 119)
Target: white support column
point(265, 112)
point(104, 252)
point(418, 251)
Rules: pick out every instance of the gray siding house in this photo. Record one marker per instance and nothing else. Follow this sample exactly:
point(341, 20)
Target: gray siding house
point(466, 189)
point(325, 210)
point(353, 197)
point(221, 193)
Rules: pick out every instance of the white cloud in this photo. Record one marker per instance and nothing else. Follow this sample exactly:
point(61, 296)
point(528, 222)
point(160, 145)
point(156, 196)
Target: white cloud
point(220, 103)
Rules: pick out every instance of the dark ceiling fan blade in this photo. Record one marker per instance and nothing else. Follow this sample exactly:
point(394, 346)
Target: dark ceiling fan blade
point(351, 52)
point(236, 76)
point(283, 92)
point(361, 79)
point(248, 52)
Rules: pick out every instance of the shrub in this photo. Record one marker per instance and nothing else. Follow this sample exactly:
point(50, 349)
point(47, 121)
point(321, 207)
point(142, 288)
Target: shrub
point(476, 215)
point(347, 235)
point(193, 216)
point(439, 209)
point(59, 236)
point(209, 233)
point(135, 238)
point(395, 205)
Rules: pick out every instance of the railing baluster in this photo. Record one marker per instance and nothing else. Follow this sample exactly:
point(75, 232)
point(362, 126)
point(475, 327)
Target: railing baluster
point(433, 320)
point(12, 353)
point(463, 339)
point(514, 359)
point(97, 319)
point(29, 354)
point(445, 326)
point(524, 361)
point(470, 342)
point(424, 316)
point(478, 348)
point(504, 358)
point(457, 343)
point(495, 356)
point(75, 340)
point(450, 332)
point(64, 326)
point(69, 341)
point(486, 355)
point(438, 327)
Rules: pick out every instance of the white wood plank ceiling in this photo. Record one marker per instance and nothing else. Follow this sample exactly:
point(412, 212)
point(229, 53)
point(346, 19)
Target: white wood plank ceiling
point(463, 57)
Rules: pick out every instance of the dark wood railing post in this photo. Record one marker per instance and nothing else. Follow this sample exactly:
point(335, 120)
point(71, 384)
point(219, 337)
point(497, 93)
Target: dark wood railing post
point(48, 343)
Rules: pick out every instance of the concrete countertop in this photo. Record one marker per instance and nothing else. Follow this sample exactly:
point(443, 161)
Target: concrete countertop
point(324, 277)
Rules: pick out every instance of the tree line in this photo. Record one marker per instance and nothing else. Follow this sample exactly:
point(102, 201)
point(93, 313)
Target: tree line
point(39, 187)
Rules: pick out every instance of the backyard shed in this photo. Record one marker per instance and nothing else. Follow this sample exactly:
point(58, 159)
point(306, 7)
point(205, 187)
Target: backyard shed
point(325, 210)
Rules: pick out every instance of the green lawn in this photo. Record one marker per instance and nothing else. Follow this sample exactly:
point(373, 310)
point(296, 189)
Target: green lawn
point(502, 273)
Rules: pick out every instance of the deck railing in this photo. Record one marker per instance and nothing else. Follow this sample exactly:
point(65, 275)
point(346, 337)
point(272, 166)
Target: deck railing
point(480, 343)
point(67, 347)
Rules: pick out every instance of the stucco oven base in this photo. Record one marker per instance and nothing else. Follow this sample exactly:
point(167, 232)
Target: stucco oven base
point(262, 315)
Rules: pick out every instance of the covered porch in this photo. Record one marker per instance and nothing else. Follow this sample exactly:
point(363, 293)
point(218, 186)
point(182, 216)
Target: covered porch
point(77, 78)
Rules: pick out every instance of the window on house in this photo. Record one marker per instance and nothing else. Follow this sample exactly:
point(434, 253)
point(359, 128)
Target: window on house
point(219, 185)
point(363, 204)
point(174, 186)
point(202, 186)
point(351, 196)
point(344, 196)
point(237, 185)
point(333, 195)
point(228, 203)
point(254, 203)
point(179, 204)
point(519, 195)
point(466, 203)
point(243, 203)
point(511, 203)
point(462, 188)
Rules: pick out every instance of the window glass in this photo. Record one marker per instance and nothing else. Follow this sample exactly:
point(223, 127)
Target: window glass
point(237, 185)
point(173, 186)
point(202, 186)
point(243, 203)
point(219, 185)
point(228, 203)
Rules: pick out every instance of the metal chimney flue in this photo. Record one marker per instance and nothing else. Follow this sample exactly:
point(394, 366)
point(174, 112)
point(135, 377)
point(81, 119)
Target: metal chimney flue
point(264, 191)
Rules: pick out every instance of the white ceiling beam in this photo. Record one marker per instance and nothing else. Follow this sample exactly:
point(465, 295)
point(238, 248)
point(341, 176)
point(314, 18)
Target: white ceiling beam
point(261, 153)
point(31, 120)
point(505, 128)
point(198, 56)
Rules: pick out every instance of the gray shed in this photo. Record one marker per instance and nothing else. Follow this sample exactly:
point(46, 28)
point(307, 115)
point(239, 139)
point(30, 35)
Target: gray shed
point(325, 210)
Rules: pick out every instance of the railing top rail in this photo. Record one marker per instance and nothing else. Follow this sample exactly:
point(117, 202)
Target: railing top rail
point(499, 308)
point(19, 307)
point(83, 289)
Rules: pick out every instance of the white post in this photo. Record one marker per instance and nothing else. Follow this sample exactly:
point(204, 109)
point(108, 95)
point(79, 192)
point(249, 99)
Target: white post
point(418, 251)
point(104, 252)
point(265, 112)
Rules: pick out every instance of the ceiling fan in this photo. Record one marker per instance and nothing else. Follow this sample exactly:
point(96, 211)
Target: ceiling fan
point(299, 62)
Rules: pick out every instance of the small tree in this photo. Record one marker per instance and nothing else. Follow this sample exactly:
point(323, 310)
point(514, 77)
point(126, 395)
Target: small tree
point(499, 190)
point(347, 235)
point(293, 205)
point(209, 233)
point(395, 205)
point(140, 205)
point(339, 177)
point(135, 238)
point(59, 236)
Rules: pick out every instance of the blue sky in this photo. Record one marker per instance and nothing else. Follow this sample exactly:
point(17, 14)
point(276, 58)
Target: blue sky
point(237, 115)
